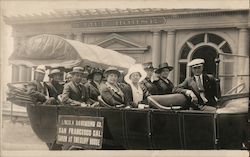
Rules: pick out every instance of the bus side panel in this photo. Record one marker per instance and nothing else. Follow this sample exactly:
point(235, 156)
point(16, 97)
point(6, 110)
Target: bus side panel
point(114, 135)
point(165, 128)
point(137, 124)
point(232, 130)
point(43, 121)
point(199, 130)
point(78, 111)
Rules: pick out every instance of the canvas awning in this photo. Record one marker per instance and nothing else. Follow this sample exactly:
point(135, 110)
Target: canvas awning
point(55, 51)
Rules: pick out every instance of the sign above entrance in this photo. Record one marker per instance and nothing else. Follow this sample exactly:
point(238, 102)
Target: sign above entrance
point(82, 131)
point(120, 22)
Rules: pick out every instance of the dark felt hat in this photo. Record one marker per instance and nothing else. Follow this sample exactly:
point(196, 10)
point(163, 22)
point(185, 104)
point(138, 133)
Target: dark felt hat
point(95, 71)
point(162, 66)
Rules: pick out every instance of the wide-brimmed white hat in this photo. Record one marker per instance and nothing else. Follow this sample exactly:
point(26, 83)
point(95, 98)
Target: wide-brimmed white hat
point(40, 69)
point(135, 68)
point(196, 62)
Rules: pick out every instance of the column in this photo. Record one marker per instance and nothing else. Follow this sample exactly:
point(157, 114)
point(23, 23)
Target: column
point(22, 74)
point(156, 54)
point(243, 50)
point(29, 73)
point(15, 74)
point(163, 46)
point(170, 54)
point(79, 36)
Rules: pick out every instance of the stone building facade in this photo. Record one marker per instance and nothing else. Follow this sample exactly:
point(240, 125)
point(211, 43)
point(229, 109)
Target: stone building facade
point(157, 35)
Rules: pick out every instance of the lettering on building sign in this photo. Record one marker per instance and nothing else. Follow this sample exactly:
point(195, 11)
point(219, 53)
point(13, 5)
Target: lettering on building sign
point(120, 22)
point(83, 131)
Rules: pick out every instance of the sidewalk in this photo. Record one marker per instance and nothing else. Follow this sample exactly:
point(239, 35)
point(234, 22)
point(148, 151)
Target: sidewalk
point(20, 136)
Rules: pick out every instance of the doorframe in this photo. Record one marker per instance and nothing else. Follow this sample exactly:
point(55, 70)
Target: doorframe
point(191, 52)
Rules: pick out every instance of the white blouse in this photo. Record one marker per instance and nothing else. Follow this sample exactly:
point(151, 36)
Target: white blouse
point(137, 93)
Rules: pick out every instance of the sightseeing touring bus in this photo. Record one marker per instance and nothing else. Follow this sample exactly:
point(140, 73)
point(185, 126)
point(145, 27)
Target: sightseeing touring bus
point(162, 126)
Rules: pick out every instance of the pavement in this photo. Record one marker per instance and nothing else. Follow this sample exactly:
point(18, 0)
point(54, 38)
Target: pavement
point(20, 136)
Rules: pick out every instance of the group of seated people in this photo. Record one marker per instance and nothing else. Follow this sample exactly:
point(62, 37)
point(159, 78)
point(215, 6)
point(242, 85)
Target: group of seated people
point(90, 88)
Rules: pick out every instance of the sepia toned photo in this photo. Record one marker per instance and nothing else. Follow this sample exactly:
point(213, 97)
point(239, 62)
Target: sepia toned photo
point(125, 78)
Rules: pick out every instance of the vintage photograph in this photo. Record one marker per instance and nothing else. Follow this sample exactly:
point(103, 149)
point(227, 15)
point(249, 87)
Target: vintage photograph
point(124, 76)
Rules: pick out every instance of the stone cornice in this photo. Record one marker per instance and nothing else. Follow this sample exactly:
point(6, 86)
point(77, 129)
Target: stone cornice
point(167, 15)
point(148, 28)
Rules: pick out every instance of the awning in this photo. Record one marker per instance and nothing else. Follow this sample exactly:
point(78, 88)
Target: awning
point(55, 51)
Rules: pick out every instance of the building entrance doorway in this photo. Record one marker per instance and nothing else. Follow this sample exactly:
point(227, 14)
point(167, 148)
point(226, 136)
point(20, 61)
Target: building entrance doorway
point(209, 54)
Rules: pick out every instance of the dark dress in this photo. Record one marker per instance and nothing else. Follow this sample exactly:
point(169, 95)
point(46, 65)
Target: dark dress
point(93, 90)
point(115, 98)
point(148, 86)
point(163, 87)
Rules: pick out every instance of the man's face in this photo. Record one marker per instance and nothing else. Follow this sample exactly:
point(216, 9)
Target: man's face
point(77, 77)
point(149, 72)
point(57, 77)
point(197, 70)
point(39, 76)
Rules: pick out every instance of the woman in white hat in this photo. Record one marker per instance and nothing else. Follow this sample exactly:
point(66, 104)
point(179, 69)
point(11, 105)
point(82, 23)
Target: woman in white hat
point(112, 92)
point(135, 75)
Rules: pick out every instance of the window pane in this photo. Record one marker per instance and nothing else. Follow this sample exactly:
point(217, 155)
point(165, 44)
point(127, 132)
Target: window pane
point(226, 48)
point(182, 72)
point(197, 39)
point(185, 51)
point(214, 39)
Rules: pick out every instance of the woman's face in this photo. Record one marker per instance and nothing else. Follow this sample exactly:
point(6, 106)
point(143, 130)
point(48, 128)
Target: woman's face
point(164, 73)
point(135, 77)
point(97, 77)
point(112, 78)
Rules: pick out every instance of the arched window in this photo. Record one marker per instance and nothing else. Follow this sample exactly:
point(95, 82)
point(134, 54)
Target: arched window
point(207, 46)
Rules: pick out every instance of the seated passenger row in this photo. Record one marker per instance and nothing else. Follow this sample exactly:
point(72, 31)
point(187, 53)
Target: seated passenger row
point(110, 88)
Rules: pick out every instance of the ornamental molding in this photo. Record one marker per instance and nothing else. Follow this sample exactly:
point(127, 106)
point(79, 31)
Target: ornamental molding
point(76, 17)
point(122, 44)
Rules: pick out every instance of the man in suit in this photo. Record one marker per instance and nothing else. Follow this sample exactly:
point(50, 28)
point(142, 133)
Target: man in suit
point(36, 88)
point(54, 87)
point(74, 92)
point(200, 89)
point(163, 84)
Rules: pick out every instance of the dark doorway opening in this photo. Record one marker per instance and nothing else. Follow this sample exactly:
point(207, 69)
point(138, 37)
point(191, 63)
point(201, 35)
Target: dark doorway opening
point(209, 54)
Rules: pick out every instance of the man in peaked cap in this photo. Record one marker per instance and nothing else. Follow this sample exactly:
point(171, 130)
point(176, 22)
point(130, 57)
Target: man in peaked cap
point(201, 88)
point(74, 92)
point(54, 87)
point(36, 87)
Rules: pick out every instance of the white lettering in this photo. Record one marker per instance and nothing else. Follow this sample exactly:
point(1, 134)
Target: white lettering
point(96, 133)
point(94, 141)
point(85, 123)
point(62, 130)
point(61, 138)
